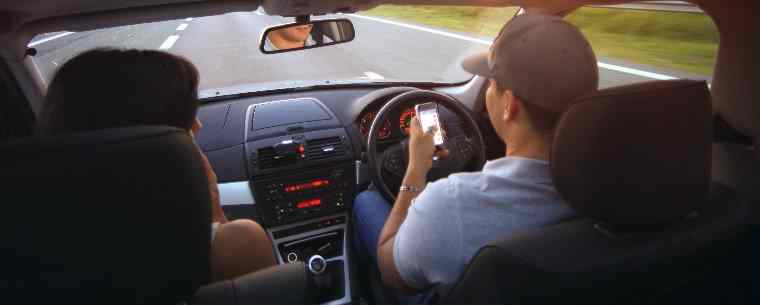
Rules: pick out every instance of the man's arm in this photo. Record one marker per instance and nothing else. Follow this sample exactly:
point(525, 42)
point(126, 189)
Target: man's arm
point(421, 152)
point(386, 263)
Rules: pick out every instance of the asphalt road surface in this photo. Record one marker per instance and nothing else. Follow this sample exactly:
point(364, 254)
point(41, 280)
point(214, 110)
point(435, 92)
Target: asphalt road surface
point(225, 49)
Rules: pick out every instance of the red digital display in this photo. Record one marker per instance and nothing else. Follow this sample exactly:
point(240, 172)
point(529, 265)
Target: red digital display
point(309, 203)
point(306, 186)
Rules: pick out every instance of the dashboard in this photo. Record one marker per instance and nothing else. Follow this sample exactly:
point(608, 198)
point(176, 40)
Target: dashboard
point(223, 136)
point(395, 127)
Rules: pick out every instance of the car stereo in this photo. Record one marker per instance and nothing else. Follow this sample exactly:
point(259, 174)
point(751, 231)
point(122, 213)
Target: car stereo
point(305, 195)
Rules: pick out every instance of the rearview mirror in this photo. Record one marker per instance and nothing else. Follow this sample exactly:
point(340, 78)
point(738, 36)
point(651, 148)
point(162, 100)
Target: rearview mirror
point(313, 34)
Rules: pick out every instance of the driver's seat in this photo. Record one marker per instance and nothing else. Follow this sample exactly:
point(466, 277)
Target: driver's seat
point(634, 161)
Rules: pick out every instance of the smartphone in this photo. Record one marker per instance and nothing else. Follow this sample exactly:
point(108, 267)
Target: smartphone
point(428, 116)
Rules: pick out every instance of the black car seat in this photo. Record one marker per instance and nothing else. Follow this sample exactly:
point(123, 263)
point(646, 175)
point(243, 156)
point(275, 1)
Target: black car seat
point(634, 161)
point(117, 216)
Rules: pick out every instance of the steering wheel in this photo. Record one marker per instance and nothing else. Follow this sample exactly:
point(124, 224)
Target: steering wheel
point(464, 142)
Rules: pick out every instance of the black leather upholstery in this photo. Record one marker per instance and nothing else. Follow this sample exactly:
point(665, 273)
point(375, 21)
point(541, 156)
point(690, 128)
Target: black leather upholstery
point(634, 246)
point(119, 216)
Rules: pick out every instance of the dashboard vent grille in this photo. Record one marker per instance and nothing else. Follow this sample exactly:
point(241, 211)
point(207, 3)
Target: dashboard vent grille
point(325, 148)
point(268, 158)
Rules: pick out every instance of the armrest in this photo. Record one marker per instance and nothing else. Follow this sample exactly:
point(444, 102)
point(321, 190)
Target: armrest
point(283, 284)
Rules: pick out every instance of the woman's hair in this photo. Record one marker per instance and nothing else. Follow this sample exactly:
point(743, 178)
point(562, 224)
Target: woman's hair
point(105, 88)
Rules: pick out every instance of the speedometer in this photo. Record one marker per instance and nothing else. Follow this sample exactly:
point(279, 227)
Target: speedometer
point(366, 123)
point(405, 120)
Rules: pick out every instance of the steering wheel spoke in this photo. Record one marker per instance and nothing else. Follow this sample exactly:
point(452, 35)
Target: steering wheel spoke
point(462, 148)
point(393, 160)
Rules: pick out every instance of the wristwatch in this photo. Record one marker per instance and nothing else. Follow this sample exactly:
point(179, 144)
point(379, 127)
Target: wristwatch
point(410, 188)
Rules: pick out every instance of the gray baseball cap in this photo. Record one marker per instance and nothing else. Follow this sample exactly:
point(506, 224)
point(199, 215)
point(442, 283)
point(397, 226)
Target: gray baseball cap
point(543, 59)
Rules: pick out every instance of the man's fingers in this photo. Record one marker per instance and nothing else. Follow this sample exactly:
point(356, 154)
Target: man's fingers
point(416, 124)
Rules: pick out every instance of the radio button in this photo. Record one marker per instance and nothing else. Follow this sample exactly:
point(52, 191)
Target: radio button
point(292, 257)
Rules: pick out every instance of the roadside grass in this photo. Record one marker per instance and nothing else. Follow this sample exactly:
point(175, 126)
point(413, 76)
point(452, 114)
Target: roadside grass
point(480, 21)
point(679, 41)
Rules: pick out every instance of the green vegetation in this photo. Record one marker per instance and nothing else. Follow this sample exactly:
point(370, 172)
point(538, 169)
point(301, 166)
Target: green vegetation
point(482, 21)
point(680, 41)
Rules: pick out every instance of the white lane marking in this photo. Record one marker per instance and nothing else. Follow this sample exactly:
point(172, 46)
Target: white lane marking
point(182, 27)
point(169, 42)
point(637, 72)
point(607, 66)
point(373, 75)
point(41, 41)
point(189, 19)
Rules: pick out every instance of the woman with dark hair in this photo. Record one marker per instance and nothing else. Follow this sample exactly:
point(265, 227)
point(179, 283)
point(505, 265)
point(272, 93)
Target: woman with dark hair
point(107, 88)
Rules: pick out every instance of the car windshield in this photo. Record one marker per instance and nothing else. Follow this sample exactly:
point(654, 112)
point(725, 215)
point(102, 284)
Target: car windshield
point(407, 44)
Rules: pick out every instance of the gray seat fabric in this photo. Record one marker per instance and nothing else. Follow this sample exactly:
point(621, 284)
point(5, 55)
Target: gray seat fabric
point(635, 162)
point(117, 216)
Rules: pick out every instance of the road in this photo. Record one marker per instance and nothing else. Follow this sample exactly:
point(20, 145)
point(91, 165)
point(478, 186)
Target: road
point(225, 49)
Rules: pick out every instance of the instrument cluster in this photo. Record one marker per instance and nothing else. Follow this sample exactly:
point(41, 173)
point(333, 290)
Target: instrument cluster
point(396, 126)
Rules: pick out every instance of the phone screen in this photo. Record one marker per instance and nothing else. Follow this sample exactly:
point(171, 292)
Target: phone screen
point(428, 115)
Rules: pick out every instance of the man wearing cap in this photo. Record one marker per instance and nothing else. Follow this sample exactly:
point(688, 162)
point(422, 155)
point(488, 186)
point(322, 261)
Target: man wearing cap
point(537, 67)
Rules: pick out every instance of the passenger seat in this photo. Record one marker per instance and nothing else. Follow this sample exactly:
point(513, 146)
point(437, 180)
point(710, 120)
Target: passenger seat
point(115, 216)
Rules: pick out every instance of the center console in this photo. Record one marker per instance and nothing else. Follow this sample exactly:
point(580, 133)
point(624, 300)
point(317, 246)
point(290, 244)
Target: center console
point(302, 170)
point(305, 194)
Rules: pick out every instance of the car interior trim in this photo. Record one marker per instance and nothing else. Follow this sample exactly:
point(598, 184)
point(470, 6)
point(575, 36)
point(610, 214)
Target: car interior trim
point(343, 257)
point(236, 193)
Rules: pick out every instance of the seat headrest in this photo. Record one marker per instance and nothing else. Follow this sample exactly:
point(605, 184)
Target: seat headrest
point(635, 156)
point(114, 216)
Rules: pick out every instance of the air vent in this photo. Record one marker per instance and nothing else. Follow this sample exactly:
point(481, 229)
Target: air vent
point(325, 148)
point(268, 158)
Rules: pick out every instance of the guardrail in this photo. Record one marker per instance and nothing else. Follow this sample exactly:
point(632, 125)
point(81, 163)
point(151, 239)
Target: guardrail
point(669, 6)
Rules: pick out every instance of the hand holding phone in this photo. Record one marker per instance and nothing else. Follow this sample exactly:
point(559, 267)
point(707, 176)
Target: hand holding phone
point(427, 113)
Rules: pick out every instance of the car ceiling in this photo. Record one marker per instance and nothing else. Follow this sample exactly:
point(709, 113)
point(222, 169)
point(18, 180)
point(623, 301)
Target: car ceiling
point(735, 75)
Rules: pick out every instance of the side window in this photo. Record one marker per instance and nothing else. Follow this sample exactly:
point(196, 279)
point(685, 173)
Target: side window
point(636, 43)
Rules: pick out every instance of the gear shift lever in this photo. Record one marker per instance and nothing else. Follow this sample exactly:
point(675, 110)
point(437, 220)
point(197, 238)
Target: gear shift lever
point(322, 279)
point(317, 265)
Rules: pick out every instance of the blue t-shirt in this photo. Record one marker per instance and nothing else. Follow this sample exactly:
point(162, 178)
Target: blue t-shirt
point(454, 217)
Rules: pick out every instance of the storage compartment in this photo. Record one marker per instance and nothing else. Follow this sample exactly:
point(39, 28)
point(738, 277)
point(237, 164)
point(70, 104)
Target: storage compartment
point(328, 245)
point(279, 118)
point(326, 237)
point(287, 112)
